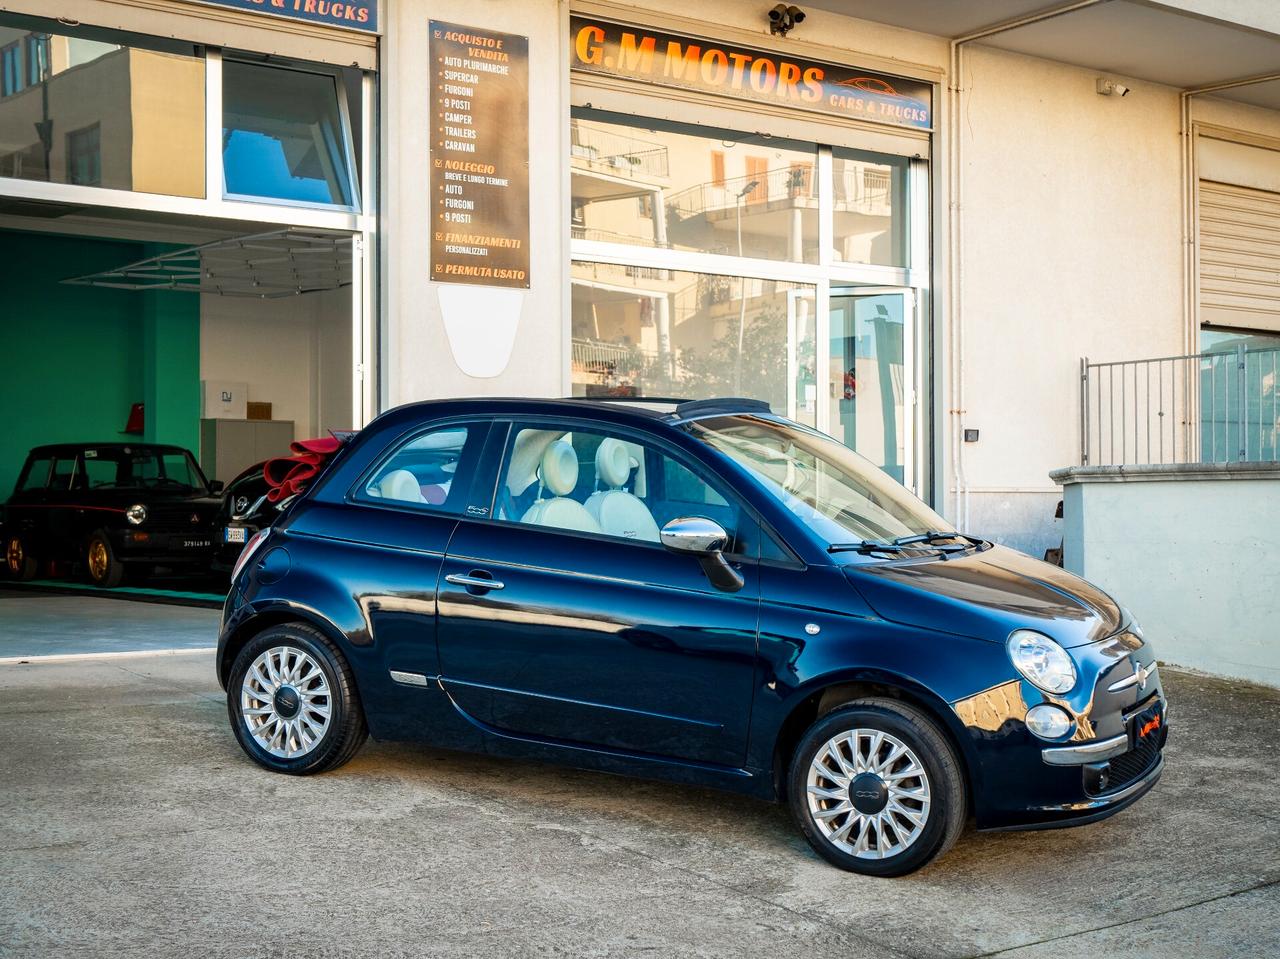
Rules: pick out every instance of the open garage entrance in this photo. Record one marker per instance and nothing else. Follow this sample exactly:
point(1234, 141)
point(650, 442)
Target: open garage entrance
point(185, 258)
point(231, 347)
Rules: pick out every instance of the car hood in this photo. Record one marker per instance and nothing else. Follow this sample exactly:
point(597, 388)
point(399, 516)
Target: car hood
point(987, 595)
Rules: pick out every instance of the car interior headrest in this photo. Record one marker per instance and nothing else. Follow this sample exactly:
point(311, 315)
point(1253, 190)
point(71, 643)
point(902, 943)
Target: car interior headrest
point(613, 463)
point(559, 468)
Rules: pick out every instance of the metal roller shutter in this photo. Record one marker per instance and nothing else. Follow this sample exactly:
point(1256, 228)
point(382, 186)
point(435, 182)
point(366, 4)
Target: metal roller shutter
point(1239, 249)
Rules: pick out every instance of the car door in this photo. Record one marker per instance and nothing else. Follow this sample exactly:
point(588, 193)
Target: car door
point(596, 636)
point(389, 537)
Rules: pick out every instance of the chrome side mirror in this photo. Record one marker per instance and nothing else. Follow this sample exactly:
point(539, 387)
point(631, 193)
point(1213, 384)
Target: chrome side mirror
point(694, 534)
point(704, 539)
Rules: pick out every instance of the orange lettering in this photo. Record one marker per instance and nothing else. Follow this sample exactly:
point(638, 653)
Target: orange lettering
point(589, 45)
point(715, 66)
point(763, 75)
point(633, 55)
point(813, 84)
point(788, 77)
point(676, 63)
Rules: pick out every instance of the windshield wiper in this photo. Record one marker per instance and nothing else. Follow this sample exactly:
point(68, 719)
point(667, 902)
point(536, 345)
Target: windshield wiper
point(903, 543)
point(933, 535)
point(866, 546)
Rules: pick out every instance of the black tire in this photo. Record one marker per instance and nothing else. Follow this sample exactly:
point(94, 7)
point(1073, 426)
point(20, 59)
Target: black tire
point(948, 803)
point(346, 730)
point(18, 561)
point(101, 563)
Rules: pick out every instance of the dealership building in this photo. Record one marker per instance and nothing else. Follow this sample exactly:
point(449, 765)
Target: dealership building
point(905, 224)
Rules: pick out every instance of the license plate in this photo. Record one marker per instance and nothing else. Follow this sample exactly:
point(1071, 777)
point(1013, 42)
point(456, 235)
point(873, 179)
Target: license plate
point(233, 534)
point(195, 543)
point(1148, 723)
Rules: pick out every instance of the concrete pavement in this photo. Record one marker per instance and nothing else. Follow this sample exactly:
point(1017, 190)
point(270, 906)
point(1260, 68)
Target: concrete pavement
point(130, 823)
point(42, 624)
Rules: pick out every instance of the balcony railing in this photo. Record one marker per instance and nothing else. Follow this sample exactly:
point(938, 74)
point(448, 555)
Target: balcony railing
point(620, 154)
point(768, 186)
point(1198, 408)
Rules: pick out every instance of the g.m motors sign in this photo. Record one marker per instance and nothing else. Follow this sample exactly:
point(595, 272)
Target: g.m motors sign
point(352, 14)
point(762, 76)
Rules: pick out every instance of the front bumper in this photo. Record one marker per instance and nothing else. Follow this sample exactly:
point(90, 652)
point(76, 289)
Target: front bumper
point(1113, 757)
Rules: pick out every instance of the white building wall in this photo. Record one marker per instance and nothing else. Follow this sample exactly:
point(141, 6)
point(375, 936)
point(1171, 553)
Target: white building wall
point(293, 352)
point(1071, 247)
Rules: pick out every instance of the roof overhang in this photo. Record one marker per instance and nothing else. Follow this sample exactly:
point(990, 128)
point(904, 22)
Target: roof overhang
point(1187, 44)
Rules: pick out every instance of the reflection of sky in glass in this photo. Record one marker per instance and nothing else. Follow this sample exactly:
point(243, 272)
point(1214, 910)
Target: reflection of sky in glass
point(255, 165)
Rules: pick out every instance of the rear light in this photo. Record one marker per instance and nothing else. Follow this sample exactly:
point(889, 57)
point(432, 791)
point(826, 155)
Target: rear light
point(246, 554)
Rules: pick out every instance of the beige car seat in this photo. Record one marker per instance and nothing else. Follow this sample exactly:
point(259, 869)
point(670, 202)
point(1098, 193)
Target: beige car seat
point(399, 485)
point(558, 475)
point(618, 512)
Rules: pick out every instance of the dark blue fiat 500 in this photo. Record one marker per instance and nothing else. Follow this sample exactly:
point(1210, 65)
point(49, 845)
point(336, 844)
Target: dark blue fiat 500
point(702, 592)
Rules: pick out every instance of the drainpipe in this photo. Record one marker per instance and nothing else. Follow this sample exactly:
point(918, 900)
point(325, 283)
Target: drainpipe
point(955, 273)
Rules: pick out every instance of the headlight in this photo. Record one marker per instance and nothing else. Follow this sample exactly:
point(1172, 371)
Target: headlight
point(1048, 721)
point(136, 514)
point(1042, 661)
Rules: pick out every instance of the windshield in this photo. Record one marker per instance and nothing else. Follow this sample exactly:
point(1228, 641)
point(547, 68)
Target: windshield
point(126, 468)
point(839, 495)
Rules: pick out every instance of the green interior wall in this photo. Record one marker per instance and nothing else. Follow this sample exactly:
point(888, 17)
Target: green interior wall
point(73, 359)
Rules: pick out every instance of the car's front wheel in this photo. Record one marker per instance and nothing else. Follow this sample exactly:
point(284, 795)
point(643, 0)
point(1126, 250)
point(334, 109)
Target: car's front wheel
point(105, 568)
point(18, 562)
point(876, 788)
point(293, 702)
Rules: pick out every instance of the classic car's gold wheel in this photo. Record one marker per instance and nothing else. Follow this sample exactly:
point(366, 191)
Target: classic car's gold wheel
point(17, 560)
point(104, 569)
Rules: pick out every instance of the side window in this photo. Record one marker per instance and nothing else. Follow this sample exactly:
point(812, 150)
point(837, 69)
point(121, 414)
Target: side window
point(37, 475)
point(64, 473)
point(592, 482)
point(430, 470)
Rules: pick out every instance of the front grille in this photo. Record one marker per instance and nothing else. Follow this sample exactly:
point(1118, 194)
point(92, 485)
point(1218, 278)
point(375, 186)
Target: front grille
point(1137, 762)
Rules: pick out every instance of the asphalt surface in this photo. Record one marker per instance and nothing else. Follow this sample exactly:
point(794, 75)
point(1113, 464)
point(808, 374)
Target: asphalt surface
point(131, 824)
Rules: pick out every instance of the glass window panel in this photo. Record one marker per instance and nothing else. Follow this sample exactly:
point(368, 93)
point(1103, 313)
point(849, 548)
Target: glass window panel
point(283, 136)
point(869, 196)
point(639, 331)
point(1228, 429)
point(93, 107)
point(868, 390)
point(37, 475)
point(428, 471)
point(703, 190)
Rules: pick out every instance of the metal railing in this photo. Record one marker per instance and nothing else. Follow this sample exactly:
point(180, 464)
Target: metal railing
point(622, 155)
point(1199, 408)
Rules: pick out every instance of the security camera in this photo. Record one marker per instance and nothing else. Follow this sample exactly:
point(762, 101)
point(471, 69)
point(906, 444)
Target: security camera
point(1111, 88)
point(1121, 89)
point(782, 18)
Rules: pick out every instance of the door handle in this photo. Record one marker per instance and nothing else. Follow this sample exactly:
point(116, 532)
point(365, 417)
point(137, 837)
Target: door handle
point(474, 582)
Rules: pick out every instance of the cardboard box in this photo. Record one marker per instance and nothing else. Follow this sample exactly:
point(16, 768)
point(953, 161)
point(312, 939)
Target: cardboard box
point(258, 411)
point(225, 400)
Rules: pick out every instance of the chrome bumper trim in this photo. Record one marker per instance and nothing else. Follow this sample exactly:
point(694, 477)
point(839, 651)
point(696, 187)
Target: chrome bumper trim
point(1093, 752)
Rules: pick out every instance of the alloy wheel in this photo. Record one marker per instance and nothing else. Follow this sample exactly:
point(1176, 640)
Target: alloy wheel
point(285, 702)
point(98, 559)
point(15, 556)
point(868, 793)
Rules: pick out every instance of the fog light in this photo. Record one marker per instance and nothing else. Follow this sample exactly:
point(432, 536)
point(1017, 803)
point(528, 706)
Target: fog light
point(1049, 722)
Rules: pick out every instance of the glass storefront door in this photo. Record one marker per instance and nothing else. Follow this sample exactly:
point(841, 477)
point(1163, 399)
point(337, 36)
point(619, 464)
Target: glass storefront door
point(871, 381)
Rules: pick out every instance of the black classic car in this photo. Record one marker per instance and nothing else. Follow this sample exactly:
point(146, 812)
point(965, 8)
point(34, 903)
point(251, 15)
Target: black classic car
point(111, 508)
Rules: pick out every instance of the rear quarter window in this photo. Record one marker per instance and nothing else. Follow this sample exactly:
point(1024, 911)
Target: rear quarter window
point(430, 470)
point(36, 475)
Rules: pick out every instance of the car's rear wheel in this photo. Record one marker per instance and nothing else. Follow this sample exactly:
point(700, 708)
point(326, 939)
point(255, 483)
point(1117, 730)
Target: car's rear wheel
point(105, 569)
point(18, 562)
point(877, 789)
point(293, 702)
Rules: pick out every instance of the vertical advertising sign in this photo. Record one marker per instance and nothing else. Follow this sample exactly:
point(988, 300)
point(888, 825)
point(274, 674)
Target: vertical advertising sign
point(479, 156)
